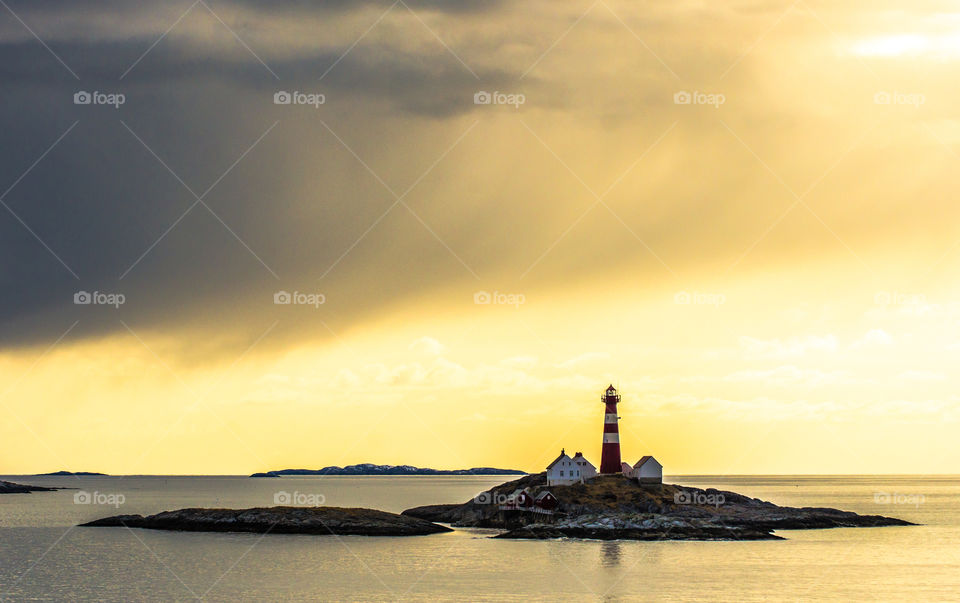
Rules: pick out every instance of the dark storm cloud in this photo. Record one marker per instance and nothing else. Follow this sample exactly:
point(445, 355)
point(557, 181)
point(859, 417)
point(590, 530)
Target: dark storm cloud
point(442, 6)
point(99, 199)
point(298, 205)
point(434, 85)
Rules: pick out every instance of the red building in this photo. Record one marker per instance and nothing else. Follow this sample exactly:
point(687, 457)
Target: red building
point(610, 455)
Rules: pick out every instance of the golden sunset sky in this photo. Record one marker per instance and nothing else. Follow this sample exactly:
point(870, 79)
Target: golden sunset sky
point(768, 272)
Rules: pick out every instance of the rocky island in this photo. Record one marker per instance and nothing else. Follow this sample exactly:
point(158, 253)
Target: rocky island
point(371, 469)
point(611, 507)
point(279, 520)
point(12, 488)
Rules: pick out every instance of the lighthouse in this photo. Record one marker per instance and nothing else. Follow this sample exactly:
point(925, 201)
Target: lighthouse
point(610, 456)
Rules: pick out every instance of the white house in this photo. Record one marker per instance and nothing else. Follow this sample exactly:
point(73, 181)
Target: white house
point(565, 470)
point(626, 469)
point(587, 470)
point(648, 471)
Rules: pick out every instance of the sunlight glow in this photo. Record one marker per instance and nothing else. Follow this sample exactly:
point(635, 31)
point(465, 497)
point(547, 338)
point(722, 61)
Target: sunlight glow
point(937, 46)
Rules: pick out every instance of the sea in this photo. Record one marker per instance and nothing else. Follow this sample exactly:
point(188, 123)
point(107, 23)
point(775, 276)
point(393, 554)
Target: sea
point(45, 557)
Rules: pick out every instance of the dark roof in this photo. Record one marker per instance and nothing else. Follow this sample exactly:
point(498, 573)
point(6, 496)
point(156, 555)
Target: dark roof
point(611, 388)
point(644, 459)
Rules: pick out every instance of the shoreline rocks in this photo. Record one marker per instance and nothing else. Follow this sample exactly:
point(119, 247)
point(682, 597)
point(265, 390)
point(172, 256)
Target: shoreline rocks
point(612, 507)
point(279, 520)
point(653, 532)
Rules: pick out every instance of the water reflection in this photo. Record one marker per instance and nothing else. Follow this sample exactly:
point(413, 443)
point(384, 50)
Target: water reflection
point(610, 553)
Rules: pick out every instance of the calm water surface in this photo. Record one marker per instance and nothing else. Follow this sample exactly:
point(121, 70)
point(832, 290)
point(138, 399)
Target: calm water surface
point(43, 557)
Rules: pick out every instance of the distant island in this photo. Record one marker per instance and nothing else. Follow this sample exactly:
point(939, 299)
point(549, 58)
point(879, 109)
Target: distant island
point(69, 473)
point(371, 469)
point(12, 488)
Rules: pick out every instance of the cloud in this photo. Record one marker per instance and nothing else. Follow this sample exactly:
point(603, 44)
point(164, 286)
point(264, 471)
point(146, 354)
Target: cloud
point(490, 192)
point(521, 362)
point(791, 347)
point(583, 359)
point(872, 339)
point(789, 375)
point(427, 345)
point(921, 376)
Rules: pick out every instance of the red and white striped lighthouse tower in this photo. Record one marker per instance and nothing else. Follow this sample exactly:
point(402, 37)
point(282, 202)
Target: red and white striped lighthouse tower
point(610, 456)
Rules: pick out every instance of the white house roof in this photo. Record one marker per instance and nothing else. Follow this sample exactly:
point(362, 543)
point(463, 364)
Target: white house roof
point(563, 456)
point(644, 460)
point(582, 460)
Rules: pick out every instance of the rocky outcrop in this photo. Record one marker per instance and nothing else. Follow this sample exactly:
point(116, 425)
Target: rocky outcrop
point(638, 527)
point(611, 507)
point(12, 488)
point(279, 520)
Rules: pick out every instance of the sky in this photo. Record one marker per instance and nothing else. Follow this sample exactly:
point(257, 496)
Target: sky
point(742, 214)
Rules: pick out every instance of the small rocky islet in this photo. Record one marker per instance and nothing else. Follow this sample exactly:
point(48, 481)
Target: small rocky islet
point(280, 520)
point(611, 507)
point(12, 488)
